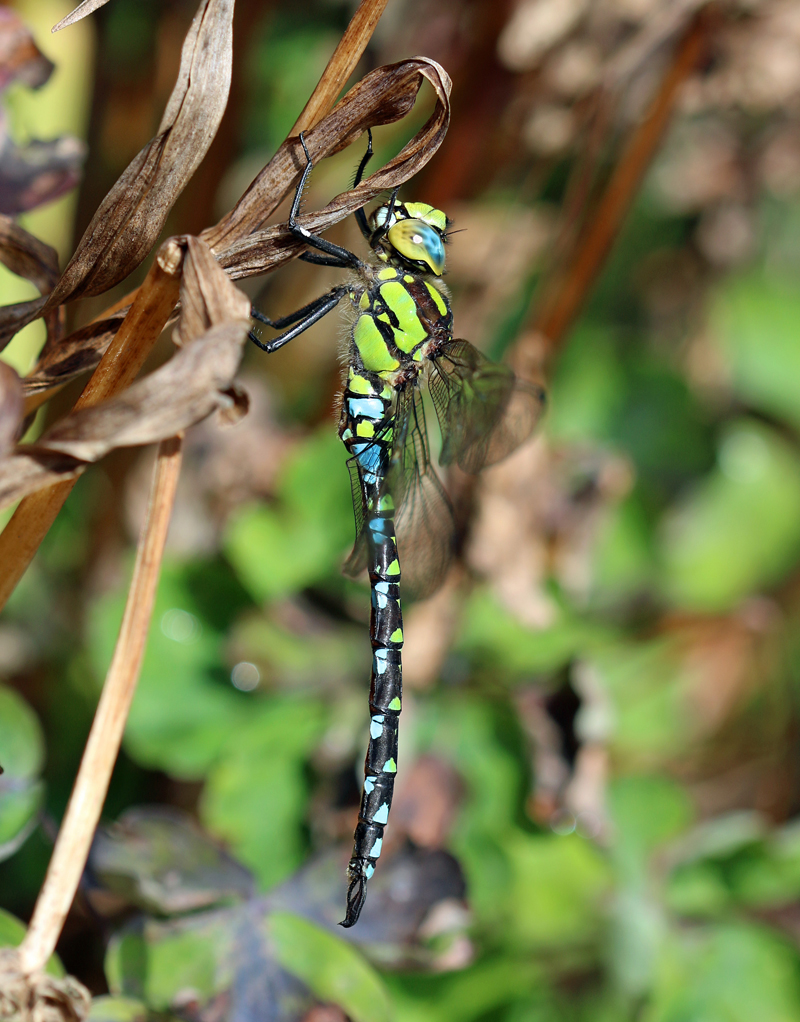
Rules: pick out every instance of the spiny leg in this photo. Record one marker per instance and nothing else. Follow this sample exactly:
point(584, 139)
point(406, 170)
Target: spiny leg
point(301, 318)
point(361, 216)
point(342, 256)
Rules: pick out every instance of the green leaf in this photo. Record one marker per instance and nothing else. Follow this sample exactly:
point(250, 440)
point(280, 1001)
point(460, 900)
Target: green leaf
point(646, 811)
point(728, 974)
point(490, 632)
point(645, 684)
point(12, 930)
point(281, 549)
point(21, 756)
point(256, 795)
point(21, 739)
point(330, 967)
point(472, 993)
point(623, 563)
point(755, 320)
point(739, 529)
point(117, 1009)
point(157, 858)
point(163, 960)
point(588, 387)
point(698, 890)
point(181, 715)
point(557, 892)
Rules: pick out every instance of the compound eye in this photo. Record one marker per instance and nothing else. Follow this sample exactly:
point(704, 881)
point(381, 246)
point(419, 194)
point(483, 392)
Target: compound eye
point(419, 242)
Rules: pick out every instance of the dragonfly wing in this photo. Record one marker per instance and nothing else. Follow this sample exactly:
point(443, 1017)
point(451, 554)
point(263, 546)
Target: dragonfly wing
point(484, 411)
point(423, 517)
point(356, 562)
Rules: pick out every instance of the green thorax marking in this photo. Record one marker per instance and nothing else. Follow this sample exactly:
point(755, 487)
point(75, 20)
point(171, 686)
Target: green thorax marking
point(397, 315)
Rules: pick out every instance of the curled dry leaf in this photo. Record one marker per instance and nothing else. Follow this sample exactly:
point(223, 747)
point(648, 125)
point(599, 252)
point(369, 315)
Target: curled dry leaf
point(76, 354)
point(193, 384)
point(12, 406)
point(28, 257)
point(383, 96)
point(132, 215)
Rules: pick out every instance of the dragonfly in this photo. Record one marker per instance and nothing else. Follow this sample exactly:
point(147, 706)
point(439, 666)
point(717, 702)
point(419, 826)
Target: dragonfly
point(401, 341)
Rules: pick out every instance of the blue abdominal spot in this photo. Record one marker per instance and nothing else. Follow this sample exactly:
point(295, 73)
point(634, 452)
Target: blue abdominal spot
point(365, 408)
point(369, 457)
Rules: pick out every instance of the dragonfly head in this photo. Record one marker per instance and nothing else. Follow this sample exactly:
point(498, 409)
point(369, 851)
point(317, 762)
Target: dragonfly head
point(412, 236)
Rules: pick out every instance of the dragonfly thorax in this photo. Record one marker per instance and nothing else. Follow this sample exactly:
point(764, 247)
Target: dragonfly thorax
point(410, 235)
point(398, 314)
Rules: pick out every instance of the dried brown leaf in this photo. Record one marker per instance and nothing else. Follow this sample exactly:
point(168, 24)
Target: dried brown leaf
point(132, 215)
point(12, 406)
point(81, 11)
point(28, 257)
point(192, 385)
point(76, 354)
point(180, 393)
point(207, 296)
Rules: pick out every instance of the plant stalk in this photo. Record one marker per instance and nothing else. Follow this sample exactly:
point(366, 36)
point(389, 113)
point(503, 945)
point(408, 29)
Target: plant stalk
point(86, 802)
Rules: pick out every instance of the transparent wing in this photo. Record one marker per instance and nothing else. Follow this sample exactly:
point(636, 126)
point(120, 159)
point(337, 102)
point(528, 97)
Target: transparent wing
point(423, 517)
point(484, 411)
point(356, 562)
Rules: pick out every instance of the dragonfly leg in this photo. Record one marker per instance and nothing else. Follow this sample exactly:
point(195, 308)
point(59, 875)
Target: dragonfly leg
point(338, 255)
point(361, 216)
point(297, 321)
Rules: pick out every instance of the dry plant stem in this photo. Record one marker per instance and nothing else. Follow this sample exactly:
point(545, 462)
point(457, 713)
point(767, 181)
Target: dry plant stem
point(88, 795)
point(342, 64)
point(126, 355)
point(565, 296)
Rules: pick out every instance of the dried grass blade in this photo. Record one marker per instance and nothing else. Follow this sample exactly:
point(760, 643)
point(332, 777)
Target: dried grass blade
point(342, 63)
point(83, 812)
point(81, 11)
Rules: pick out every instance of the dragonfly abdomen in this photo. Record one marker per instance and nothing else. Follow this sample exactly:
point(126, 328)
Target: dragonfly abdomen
point(366, 430)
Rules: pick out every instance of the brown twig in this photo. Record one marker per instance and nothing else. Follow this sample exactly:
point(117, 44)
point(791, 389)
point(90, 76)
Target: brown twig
point(119, 366)
point(342, 64)
point(83, 812)
point(567, 291)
